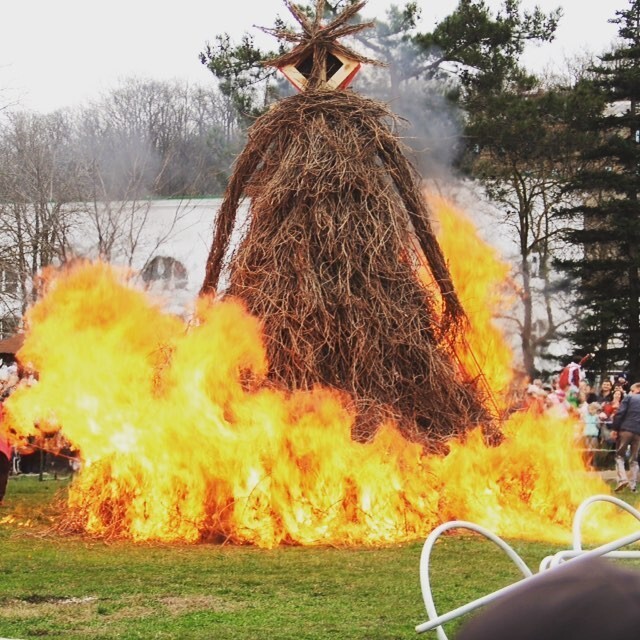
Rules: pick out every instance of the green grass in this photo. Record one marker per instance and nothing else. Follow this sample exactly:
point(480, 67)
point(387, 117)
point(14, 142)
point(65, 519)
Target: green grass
point(55, 587)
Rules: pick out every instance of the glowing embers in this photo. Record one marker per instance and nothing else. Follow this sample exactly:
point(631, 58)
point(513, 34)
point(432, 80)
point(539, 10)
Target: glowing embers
point(339, 70)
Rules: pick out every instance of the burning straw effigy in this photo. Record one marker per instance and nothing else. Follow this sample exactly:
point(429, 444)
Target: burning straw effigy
point(329, 260)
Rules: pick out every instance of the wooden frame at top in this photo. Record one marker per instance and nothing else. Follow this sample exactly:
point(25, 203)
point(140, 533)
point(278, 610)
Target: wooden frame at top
point(341, 79)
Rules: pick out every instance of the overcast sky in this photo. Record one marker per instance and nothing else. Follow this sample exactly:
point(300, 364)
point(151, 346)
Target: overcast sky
point(59, 53)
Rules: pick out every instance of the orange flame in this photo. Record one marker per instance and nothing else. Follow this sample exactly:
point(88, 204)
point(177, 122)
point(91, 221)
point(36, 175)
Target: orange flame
point(480, 277)
point(180, 441)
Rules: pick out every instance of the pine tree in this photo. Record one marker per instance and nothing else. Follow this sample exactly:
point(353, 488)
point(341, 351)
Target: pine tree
point(607, 230)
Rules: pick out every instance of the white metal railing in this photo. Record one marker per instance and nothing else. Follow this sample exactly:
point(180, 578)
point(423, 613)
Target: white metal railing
point(561, 556)
point(577, 554)
point(436, 621)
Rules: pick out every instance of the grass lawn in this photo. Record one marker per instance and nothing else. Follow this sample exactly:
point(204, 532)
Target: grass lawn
point(55, 586)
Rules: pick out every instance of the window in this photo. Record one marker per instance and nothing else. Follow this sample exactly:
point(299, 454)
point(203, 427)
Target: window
point(8, 281)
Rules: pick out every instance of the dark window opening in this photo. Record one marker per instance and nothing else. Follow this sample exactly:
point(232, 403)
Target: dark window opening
point(305, 65)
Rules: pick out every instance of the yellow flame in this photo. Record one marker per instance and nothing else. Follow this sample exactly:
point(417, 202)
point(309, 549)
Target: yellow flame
point(181, 441)
point(481, 279)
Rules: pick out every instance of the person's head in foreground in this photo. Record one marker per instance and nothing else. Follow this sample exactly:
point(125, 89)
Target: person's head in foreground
point(585, 600)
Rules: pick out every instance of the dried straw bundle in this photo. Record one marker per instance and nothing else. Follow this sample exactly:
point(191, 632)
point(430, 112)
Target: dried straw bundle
point(325, 263)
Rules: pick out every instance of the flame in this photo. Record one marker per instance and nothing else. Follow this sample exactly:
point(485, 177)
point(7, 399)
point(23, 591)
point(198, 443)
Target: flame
point(481, 279)
point(181, 441)
point(16, 522)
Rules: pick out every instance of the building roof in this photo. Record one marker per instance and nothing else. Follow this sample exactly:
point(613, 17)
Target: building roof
point(11, 344)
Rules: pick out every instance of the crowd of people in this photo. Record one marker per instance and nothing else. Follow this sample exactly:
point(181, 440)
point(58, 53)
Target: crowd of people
point(608, 415)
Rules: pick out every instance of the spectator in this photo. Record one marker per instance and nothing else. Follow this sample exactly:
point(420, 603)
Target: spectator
point(535, 397)
point(571, 378)
point(534, 401)
point(605, 393)
point(538, 383)
point(579, 395)
point(5, 467)
point(579, 600)
point(627, 422)
point(585, 393)
point(590, 414)
point(621, 382)
point(573, 373)
point(610, 407)
point(556, 403)
point(8, 380)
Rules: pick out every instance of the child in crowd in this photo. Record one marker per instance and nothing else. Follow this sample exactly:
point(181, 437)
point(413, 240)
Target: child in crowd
point(590, 414)
point(556, 403)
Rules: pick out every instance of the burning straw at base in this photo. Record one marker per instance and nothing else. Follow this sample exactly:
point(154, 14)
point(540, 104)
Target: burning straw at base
point(181, 440)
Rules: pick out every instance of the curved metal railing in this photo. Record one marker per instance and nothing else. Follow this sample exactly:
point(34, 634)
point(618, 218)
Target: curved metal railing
point(577, 554)
point(561, 556)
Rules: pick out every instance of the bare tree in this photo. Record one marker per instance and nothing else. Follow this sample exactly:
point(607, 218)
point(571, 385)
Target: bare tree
point(182, 130)
point(526, 201)
point(82, 183)
point(37, 191)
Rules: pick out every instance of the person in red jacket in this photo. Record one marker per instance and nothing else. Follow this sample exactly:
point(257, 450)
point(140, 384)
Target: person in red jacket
point(573, 373)
point(5, 458)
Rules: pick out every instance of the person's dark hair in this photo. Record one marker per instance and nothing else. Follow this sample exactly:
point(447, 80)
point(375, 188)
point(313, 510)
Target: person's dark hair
point(579, 600)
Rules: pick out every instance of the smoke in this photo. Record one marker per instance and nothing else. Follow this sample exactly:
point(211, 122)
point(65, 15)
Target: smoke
point(432, 123)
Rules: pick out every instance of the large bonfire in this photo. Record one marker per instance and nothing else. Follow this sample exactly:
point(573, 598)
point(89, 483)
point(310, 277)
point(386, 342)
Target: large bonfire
point(189, 432)
point(181, 440)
